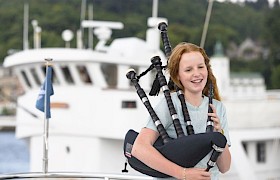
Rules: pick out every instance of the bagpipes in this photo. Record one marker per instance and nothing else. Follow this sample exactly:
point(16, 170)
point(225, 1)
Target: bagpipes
point(185, 151)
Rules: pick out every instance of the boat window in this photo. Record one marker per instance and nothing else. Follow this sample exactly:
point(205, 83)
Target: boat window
point(261, 153)
point(67, 75)
point(54, 78)
point(110, 74)
point(25, 78)
point(35, 76)
point(84, 75)
point(244, 144)
point(128, 104)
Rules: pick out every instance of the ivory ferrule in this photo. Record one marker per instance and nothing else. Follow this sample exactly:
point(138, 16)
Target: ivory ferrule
point(144, 99)
point(157, 122)
point(174, 116)
point(164, 88)
point(211, 123)
point(211, 163)
point(218, 149)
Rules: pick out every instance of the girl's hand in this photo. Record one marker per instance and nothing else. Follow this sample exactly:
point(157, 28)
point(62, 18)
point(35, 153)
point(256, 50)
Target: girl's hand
point(196, 173)
point(215, 119)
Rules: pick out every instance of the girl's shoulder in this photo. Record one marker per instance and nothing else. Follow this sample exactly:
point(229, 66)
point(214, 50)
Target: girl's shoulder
point(215, 102)
point(218, 104)
point(174, 96)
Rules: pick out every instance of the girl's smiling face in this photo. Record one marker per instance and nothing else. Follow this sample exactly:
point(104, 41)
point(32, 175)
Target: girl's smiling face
point(193, 72)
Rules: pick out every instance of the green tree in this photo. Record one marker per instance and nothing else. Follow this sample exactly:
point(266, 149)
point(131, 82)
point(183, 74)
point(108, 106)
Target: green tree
point(275, 77)
point(258, 5)
point(273, 37)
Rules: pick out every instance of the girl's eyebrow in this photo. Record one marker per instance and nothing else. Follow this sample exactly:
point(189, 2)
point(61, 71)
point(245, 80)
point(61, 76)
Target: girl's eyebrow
point(197, 65)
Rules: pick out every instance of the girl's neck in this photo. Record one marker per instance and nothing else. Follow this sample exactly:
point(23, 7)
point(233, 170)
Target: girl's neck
point(194, 99)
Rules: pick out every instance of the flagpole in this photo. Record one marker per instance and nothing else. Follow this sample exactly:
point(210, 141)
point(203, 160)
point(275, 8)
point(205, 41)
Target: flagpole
point(46, 124)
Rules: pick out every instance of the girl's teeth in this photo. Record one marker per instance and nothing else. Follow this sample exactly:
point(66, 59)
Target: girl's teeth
point(196, 81)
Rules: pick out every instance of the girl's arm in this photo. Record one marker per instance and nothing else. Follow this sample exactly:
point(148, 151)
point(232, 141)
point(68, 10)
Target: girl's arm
point(144, 151)
point(224, 160)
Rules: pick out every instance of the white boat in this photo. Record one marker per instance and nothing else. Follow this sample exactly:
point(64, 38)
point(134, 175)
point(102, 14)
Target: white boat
point(253, 116)
point(94, 105)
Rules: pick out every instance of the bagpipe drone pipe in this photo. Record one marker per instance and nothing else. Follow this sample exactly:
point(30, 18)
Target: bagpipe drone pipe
point(185, 151)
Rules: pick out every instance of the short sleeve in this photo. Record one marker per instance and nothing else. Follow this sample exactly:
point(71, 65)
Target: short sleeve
point(224, 123)
point(162, 111)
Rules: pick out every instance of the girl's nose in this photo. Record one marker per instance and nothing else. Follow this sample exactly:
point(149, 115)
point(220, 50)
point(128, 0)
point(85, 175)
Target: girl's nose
point(195, 72)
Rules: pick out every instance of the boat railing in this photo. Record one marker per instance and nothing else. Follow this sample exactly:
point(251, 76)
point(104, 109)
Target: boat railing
point(7, 122)
point(73, 176)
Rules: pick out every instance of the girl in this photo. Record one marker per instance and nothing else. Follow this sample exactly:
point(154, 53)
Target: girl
point(190, 70)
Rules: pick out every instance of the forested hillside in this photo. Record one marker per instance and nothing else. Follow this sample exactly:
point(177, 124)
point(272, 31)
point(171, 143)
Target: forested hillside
point(229, 23)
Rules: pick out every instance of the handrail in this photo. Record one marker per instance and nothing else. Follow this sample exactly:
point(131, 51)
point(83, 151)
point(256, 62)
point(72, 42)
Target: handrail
point(62, 175)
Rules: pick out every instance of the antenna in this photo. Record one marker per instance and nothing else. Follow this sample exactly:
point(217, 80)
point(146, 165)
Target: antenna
point(81, 30)
point(155, 8)
point(103, 31)
point(152, 34)
point(36, 34)
point(206, 23)
point(90, 35)
point(25, 26)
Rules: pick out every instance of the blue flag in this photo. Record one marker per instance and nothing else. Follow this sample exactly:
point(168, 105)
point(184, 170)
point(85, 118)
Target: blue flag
point(46, 89)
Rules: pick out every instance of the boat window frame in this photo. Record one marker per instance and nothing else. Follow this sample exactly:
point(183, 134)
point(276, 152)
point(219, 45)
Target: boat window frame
point(110, 74)
point(24, 76)
point(84, 73)
point(35, 76)
point(69, 79)
point(261, 152)
point(54, 77)
point(129, 104)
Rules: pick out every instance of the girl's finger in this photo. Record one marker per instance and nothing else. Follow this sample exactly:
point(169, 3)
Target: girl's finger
point(213, 108)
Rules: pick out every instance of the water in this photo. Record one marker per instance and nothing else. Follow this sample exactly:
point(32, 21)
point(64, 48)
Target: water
point(14, 155)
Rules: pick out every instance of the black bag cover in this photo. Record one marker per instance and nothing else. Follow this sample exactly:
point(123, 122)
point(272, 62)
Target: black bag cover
point(186, 151)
